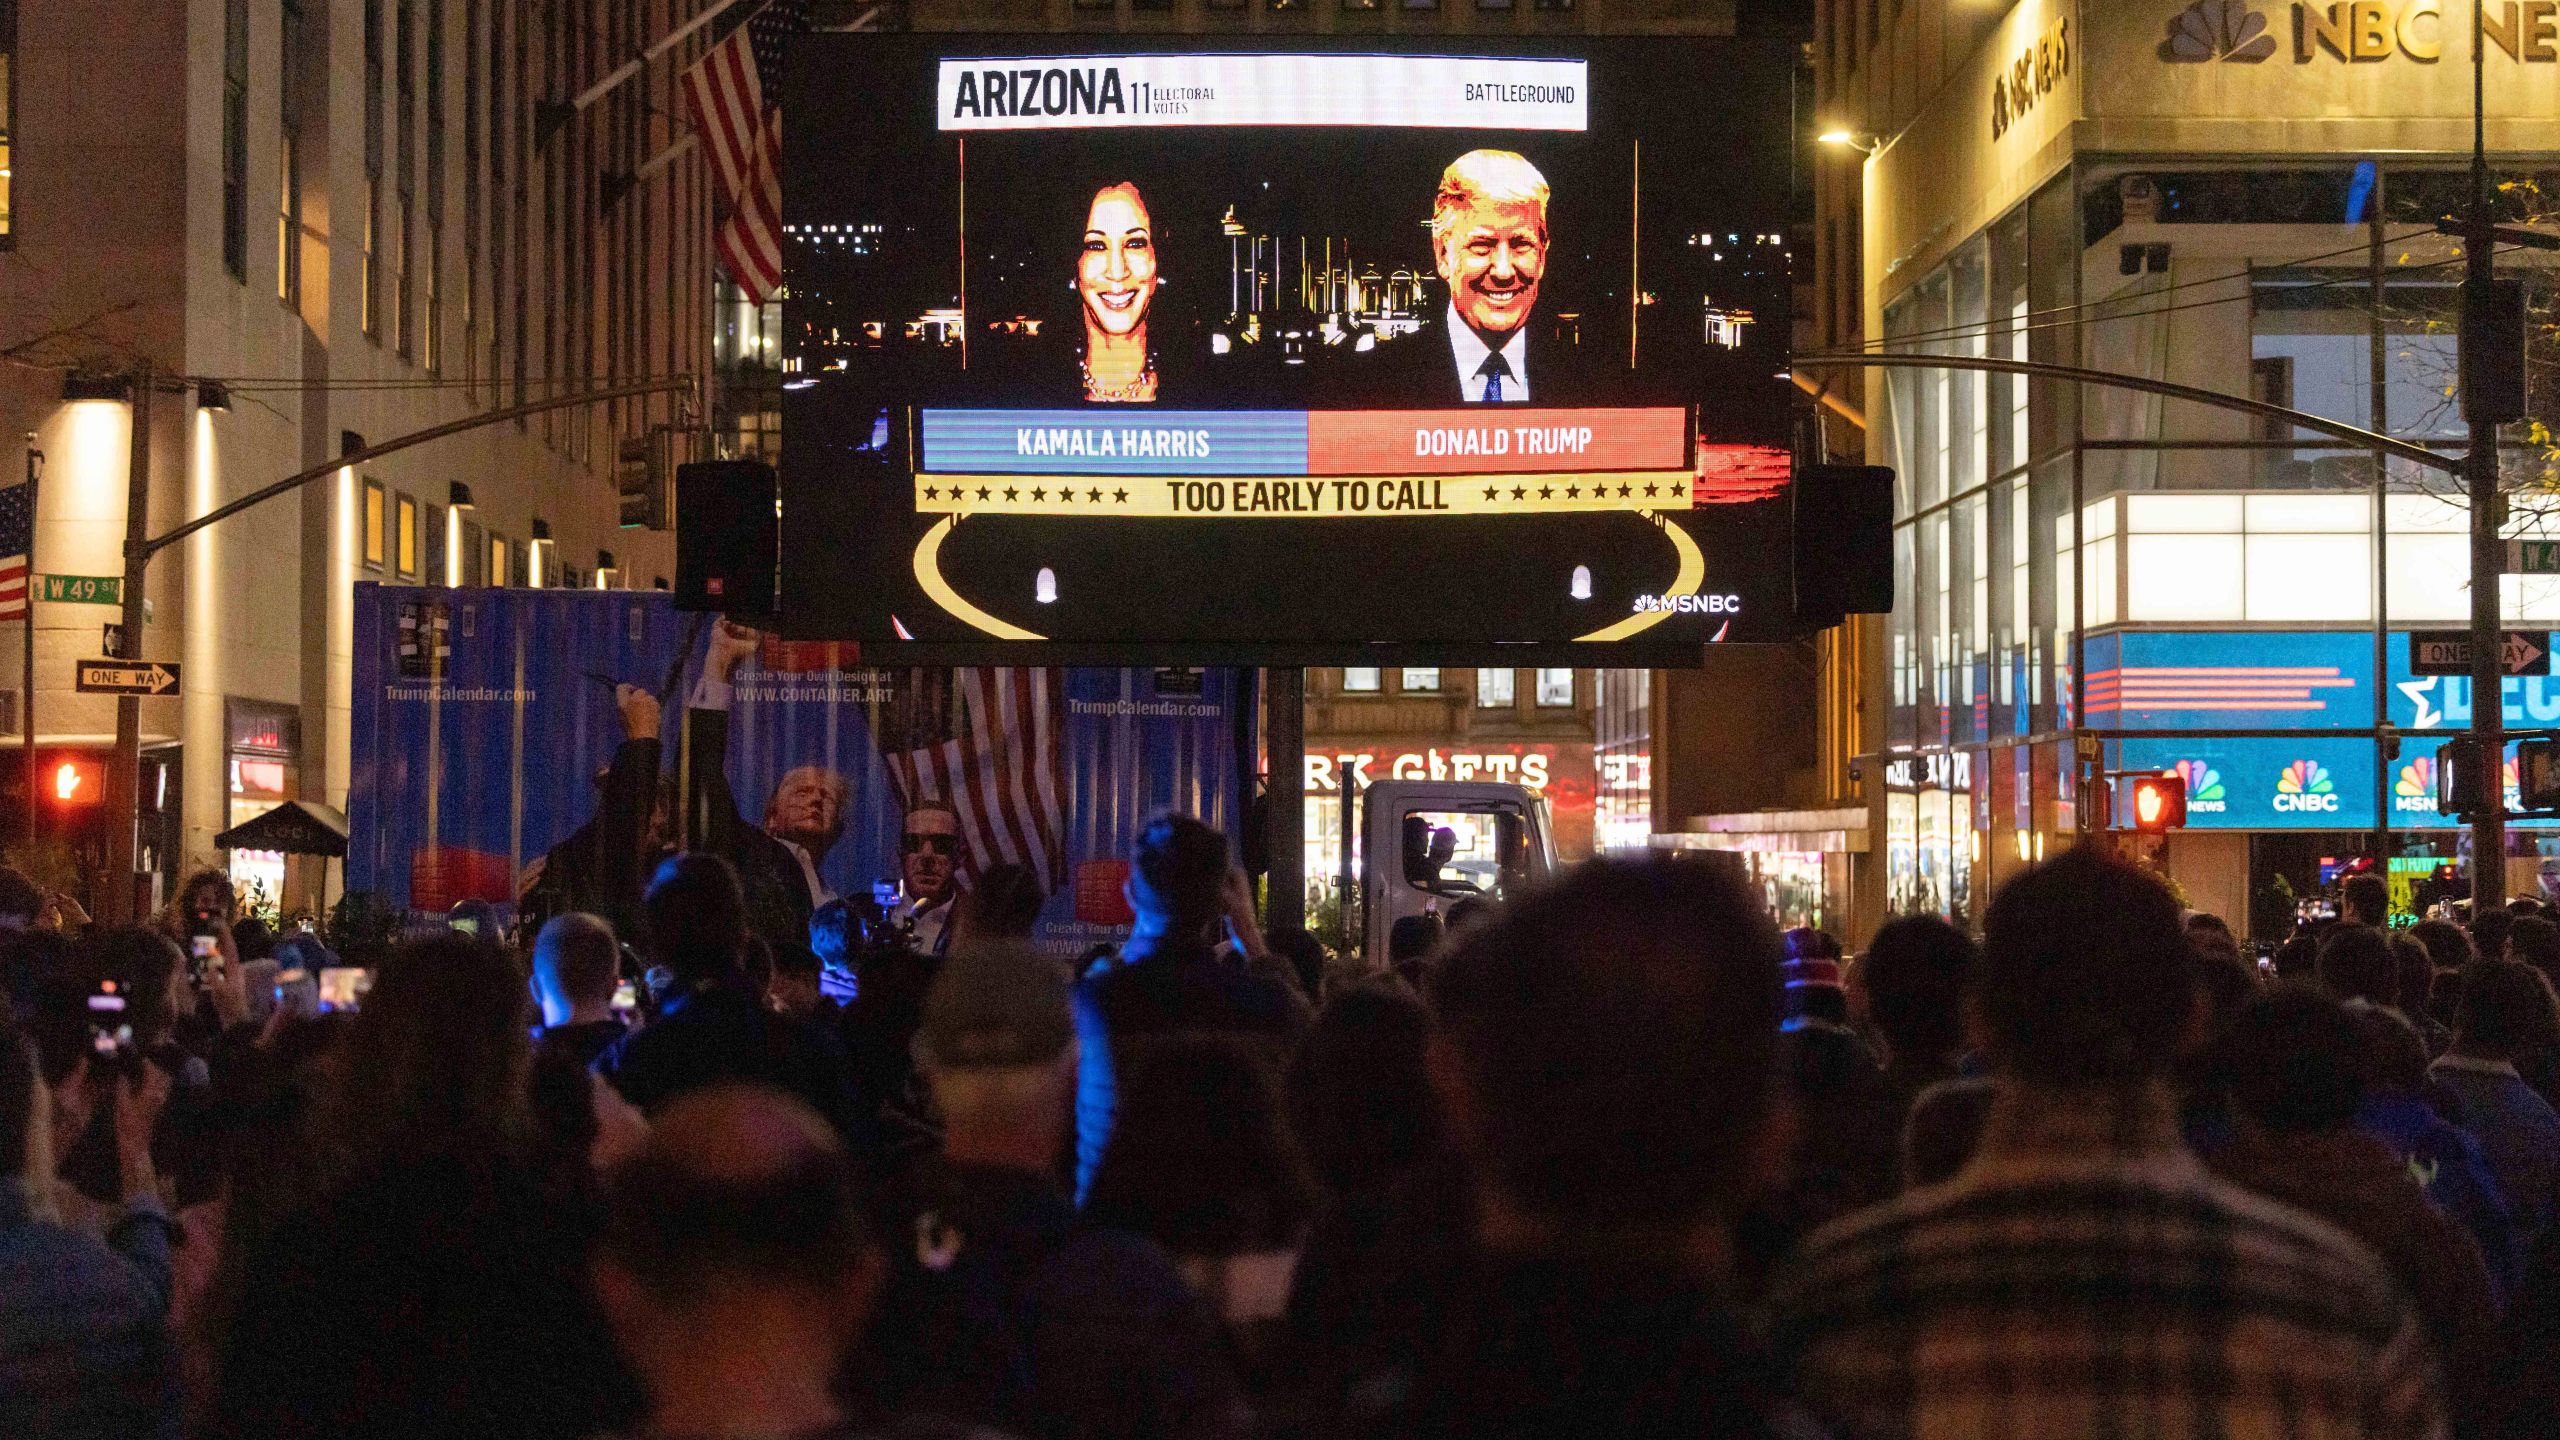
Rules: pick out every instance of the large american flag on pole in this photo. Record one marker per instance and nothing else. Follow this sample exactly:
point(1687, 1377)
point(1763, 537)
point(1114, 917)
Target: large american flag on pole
point(725, 100)
point(986, 742)
point(17, 541)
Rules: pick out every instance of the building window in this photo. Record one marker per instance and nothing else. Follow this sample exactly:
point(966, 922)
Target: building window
point(1555, 689)
point(498, 549)
point(289, 42)
point(1419, 678)
point(373, 503)
point(404, 175)
point(472, 72)
point(1497, 689)
point(371, 308)
point(431, 324)
point(1360, 679)
point(235, 138)
point(407, 509)
point(8, 106)
point(431, 543)
point(475, 555)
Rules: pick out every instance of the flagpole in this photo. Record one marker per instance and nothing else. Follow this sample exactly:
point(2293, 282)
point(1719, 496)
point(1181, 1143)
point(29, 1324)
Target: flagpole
point(550, 115)
point(611, 191)
point(27, 657)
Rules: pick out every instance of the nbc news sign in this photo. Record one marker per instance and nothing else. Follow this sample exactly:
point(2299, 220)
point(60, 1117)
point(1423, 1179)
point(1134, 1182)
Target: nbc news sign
point(2237, 32)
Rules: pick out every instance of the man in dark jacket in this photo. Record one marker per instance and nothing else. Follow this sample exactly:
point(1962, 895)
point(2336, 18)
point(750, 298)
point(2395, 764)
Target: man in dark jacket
point(778, 862)
point(1001, 1308)
point(601, 867)
point(713, 1026)
point(1607, 1052)
point(1170, 978)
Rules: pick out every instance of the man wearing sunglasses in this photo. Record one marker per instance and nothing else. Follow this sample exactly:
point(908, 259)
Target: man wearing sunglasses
point(929, 871)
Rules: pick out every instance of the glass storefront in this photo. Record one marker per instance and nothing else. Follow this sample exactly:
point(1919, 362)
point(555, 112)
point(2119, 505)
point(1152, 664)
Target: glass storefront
point(2041, 535)
point(262, 771)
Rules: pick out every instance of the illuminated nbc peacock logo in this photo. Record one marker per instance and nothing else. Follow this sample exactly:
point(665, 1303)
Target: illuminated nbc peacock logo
point(2203, 781)
point(2417, 778)
point(2304, 777)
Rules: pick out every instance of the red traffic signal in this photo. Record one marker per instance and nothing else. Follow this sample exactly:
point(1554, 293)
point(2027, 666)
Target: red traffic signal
point(71, 781)
point(2159, 803)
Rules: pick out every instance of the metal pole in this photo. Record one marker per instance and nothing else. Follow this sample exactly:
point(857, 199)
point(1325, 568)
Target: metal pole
point(2488, 560)
point(1284, 744)
point(124, 770)
point(124, 773)
point(2418, 455)
point(2378, 401)
point(27, 661)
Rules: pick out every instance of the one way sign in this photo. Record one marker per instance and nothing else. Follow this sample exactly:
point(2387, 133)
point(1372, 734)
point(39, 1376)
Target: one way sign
point(125, 677)
point(2448, 652)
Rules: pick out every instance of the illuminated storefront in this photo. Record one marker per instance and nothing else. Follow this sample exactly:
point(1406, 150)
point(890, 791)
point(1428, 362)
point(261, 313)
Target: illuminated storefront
point(1580, 738)
point(2244, 206)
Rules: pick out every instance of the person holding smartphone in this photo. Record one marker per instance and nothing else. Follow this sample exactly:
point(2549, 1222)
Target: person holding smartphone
point(83, 1318)
point(150, 973)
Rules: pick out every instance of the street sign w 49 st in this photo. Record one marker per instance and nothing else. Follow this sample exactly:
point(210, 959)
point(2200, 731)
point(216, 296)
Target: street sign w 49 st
point(2533, 557)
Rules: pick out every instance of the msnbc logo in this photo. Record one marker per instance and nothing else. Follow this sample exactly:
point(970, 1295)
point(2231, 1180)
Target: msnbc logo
point(2414, 793)
point(2305, 787)
point(2204, 786)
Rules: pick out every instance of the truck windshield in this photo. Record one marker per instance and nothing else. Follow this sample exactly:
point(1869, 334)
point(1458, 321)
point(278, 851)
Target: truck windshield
point(1487, 853)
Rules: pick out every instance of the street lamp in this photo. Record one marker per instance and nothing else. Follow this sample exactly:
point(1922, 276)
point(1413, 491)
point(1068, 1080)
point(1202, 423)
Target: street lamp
point(1859, 140)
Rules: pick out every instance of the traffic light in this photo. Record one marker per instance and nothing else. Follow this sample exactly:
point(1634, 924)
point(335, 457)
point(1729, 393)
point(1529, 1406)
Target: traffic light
point(2159, 803)
point(2465, 786)
point(72, 781)
point(2538, 774)
point(2491, 363)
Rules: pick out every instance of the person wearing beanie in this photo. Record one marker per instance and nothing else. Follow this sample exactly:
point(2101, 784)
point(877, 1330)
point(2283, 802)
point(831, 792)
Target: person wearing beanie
point(1001, 1307)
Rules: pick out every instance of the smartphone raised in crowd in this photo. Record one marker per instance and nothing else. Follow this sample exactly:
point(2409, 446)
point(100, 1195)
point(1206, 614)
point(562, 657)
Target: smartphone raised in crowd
point(207, 954)
point(342, 987)
point(110, 1033)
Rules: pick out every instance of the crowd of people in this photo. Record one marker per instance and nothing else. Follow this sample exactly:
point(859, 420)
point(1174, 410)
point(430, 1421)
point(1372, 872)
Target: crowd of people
point(1614, 1158)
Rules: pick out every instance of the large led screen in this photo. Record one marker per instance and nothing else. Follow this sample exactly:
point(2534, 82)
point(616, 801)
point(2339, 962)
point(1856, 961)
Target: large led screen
point(1240, 348)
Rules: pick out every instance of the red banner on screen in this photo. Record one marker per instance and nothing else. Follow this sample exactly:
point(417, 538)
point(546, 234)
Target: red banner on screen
point(1489, 441)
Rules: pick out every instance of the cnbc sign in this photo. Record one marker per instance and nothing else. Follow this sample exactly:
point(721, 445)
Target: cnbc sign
point(2235, 32)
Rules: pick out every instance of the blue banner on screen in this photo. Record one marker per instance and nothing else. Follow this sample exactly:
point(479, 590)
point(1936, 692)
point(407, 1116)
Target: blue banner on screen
point(2229, 680)
point(491, 757)
point(2291, 784)
point(1073, 442)
point(2265, 679)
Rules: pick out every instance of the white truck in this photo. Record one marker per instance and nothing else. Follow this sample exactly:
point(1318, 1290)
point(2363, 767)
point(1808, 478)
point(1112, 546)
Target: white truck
point(1431, 844)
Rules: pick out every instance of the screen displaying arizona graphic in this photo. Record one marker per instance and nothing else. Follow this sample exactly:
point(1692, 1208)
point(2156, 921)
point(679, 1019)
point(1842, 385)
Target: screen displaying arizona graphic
point(1238, 345)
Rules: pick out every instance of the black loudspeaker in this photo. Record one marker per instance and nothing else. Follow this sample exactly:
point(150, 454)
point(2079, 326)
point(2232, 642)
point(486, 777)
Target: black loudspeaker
point(1843, 542)
point(727, 536)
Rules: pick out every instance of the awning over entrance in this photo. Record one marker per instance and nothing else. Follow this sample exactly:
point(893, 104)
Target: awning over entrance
point(1831, 832)
point(296, 827)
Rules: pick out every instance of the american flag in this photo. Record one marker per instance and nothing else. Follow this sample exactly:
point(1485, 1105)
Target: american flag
point(17, 541)
point(985, 741)
point(725, 99)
